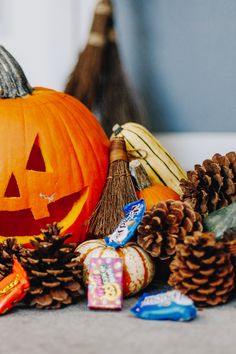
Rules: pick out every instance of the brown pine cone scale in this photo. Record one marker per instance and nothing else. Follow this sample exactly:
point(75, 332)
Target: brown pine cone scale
point(207, 276)
point(165, 225)
point(54, 274)
point(212, 185)
point(9, 249)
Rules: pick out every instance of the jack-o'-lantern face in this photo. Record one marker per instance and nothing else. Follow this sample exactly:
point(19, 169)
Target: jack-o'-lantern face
point(53, 164)
point(32, 200)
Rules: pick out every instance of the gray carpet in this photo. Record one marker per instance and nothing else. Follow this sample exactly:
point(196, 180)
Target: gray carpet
point(76, 329)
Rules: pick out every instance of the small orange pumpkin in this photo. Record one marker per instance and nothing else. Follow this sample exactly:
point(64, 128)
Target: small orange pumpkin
point(156, 193)
point(138, 267)
point(152, 194)
point(54, 158)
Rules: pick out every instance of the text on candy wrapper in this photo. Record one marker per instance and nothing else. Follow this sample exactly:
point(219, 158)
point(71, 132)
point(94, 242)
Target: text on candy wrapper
point(122, 230)
point(165, 299)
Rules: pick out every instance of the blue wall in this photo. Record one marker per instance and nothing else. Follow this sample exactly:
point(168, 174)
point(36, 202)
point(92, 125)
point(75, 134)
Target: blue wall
point(181, 55)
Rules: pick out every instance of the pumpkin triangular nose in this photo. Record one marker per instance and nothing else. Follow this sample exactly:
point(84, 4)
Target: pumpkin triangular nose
point(12, 189)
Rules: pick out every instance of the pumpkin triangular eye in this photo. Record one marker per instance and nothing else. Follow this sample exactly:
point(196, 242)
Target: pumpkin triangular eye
point(12, 189)
point(36, 161)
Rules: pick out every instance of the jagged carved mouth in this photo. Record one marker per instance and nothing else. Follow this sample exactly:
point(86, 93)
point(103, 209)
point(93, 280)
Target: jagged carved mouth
point(21, 223)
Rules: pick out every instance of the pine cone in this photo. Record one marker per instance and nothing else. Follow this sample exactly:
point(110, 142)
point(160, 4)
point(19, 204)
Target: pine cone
point(229, 239)
point(211, 186)
point(202, 270)
point(9, 248)
point(166, 224)
point(54, 275)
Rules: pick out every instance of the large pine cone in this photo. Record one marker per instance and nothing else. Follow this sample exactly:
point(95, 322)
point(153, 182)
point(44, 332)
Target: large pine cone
point(211, 186)
point(166, 224)
point(202, 270)
point(54, 275)
point(9, 248)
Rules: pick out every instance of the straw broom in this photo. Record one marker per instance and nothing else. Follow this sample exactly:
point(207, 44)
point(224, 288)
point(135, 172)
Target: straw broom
point(117, 102)
point(119, 191)
point(98, 79)
point(83, 81)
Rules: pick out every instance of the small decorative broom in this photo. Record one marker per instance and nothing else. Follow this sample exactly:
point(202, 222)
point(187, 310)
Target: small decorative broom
point(98, 79)
point(84, 78)
point(119, 191)
point(115, 94)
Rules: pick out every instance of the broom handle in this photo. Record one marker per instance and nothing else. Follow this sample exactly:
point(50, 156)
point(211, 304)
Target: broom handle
point(112, 37)
point(98, 32)
point(118, 150)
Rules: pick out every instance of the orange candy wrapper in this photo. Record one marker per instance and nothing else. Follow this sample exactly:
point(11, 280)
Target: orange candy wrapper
point(13, 287)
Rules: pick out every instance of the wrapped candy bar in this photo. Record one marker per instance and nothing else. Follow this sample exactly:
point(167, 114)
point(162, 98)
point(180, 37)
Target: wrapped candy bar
point(105, 283)
point(170, 305)
point(128, 226)
point(13, 287)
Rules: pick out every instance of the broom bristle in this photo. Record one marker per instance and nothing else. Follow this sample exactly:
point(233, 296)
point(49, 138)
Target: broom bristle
point(118, 192)
point(116, 95)
point(83, 81)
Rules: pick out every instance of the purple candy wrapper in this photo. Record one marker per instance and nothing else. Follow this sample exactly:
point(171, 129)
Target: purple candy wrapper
point(105, 286)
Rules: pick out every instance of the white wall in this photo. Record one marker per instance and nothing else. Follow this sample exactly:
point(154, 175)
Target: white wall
point(45, 36)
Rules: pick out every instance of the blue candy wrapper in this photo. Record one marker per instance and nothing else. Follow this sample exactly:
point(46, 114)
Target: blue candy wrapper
point(170, 305)
point(128, 226)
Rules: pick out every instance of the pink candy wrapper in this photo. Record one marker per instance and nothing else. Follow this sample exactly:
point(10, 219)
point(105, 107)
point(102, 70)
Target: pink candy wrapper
point(105, 283)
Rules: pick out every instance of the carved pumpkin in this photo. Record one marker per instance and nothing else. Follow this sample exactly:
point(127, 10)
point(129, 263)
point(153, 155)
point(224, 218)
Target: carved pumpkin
point(53, 158)
point(138, 267)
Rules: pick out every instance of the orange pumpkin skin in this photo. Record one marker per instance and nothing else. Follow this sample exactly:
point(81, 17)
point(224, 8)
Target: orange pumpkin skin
point(156, 193)
point(54, 161)
point(138, 267)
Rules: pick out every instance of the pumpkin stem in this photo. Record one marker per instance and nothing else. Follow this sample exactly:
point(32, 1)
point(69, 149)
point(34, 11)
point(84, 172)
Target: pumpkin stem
point(13, 82)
